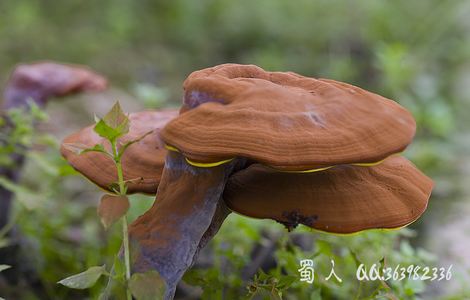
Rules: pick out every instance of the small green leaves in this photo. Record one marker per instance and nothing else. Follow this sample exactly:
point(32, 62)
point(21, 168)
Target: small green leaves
point(270, 286)
point(79, 148)
point(4, 267)
point(117, 118)
point(17, 133)
point(36, 111)
point(113, 125)
point(85, 279)
point(112, 208)
point(147, 286)
point(95, 148)
point(106, 131)
point(286, 281)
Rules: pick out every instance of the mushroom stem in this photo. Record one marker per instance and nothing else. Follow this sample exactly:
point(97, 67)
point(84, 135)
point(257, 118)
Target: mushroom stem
point(221, 213)
point(168, 236)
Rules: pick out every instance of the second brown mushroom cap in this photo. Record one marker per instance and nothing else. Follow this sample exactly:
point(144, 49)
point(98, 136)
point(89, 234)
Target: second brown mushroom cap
point(142, 163)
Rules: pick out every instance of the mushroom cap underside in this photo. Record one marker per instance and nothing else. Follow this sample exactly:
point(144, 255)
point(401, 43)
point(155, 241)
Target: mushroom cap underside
point(343, 199)
point(142, 162)
point(284, 120)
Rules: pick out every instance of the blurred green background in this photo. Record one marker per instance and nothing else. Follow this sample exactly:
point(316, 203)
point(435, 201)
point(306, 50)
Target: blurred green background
point(415, 52)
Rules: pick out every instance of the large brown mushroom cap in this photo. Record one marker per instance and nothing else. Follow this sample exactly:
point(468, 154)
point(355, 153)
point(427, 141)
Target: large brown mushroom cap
point(142, 162)
point(284, 120)
point(343, 199)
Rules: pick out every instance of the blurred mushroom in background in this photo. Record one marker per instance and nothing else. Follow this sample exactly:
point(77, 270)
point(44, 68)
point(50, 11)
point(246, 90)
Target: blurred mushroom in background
point(41, 81)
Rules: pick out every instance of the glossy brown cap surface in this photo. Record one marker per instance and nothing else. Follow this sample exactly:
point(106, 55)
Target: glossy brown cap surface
point(142, 162)
point(284, 120)
point(343, 199)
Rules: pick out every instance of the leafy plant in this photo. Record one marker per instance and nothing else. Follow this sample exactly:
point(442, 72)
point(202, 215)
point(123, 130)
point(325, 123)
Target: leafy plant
point(18, 133)
point(268, 285)
point(85, 279)
point(114, 125)
point(234, 245)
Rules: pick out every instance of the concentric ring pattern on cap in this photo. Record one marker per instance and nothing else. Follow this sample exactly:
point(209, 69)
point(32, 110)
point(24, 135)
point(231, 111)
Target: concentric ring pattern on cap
point(284, 120)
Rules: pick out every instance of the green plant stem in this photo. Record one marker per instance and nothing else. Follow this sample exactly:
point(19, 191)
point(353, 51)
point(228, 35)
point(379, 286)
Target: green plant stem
point(125, 240)
point(125, 234)
point(117, 160)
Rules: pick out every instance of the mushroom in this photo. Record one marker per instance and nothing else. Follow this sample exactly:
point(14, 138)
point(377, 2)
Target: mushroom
point(285, 120)
point(42, 80)
point(342, 199)
point(142, 163)
point(236, 115)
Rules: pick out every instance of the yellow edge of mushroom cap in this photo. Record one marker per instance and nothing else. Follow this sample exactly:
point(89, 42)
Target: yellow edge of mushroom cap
point(218, 163)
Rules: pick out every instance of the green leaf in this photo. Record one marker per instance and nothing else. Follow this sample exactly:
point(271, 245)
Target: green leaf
point(113, 125)
point(4, 267)
point(97, 148)
point(193, 277)
point(323, 247)
point(147, 286)
point(286, 281)
point(119, 269)
point(116, 118)
point(106, 131)
point(85, 279)
point(79, 148)
point(36, 112)
point(112, 208)
point(262, 276)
